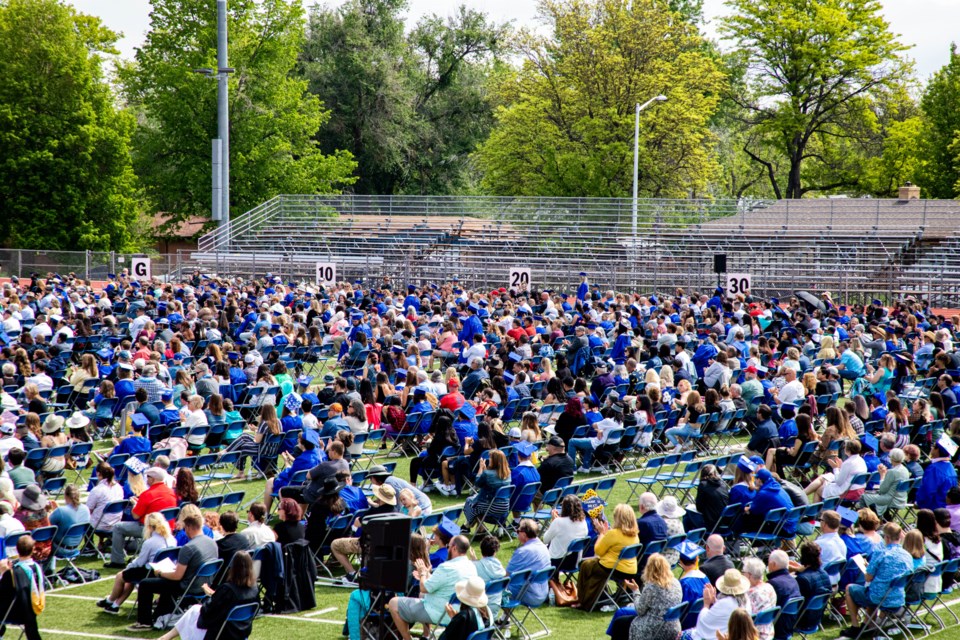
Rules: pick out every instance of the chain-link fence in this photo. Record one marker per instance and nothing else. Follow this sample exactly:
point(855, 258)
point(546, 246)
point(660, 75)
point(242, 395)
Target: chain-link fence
point(88, 265)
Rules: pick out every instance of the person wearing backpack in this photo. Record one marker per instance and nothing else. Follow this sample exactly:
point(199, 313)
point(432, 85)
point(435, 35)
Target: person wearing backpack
point(21, 585)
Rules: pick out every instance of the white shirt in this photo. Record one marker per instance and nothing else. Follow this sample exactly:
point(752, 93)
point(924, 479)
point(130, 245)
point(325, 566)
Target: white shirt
point(7, 443)
point(477, 349)
point(832, 547)
point(716, 618)
point(258, 534)
point(42, 380)
point(561, 533)
point(843, 479)
point(791, 392)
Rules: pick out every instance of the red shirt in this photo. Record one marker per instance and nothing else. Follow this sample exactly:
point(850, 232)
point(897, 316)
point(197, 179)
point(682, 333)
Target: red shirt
point(156, 498)
point(516, 332)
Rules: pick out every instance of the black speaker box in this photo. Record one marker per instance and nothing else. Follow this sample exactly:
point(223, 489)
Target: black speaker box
point(385, 552)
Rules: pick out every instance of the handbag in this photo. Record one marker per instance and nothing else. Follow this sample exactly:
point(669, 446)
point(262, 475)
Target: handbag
point(565, 594)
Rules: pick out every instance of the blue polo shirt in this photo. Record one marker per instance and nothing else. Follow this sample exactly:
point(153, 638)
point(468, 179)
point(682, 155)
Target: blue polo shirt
point(534, 556)
point(522, 475)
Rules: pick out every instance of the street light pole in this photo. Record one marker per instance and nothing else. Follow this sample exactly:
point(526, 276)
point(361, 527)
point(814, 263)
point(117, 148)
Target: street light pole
point(636, 157)
point(223, 114)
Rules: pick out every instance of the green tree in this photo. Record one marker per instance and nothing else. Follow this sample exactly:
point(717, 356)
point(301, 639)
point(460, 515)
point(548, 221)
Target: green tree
point(273, 119)
point(565, 120)
point(410, 108)
point(940, 173)
point(66, 181)
point(814, 65)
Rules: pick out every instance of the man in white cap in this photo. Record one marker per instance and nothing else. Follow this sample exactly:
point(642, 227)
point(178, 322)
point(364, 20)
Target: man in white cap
point(8, 440)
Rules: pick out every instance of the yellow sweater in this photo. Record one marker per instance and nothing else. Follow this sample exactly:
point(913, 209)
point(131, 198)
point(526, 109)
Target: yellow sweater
point(608, 548)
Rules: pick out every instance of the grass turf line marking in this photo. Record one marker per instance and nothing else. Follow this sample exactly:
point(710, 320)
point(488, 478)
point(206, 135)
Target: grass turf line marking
point(320, 612)
point(79, 584)
point(72, 597)
point(302, 619)
point(57, 632)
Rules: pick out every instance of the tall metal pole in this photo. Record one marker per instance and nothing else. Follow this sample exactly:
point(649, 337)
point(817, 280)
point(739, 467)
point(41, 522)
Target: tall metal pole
point(636, 171)
point(223, 114)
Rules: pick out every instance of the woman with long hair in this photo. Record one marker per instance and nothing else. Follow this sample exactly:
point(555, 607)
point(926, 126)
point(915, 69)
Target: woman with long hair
point(156, 537)
point(185, 487)
point(86, 371)
point(238, 588)
point(490, 478)
point(569, 523)
point(661, 591)
point(255, 443)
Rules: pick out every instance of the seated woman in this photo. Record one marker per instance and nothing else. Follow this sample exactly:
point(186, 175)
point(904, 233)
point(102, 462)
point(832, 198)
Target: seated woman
point(592, 578)
point(156, 536)
point(839, 484)
point(239, 588)
point(790, 455)
point(888, 496)
point(568, 524)
point(490, 479)
point(289, 529)
point(661, 591)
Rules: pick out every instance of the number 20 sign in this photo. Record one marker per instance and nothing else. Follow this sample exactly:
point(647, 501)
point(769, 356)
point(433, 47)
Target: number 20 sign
point(520, 279)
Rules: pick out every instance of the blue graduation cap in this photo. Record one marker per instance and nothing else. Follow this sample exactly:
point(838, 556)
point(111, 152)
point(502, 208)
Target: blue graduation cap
point(688, 551)
point(484, 303)
point(397, 348)
point(525, 448)
point(111, 276)
point(233, 355)
point(848, 517)
point(304, 381)
point(105, 353)
point(508, 377)
point(139, 421)
point(312, 436)
point(515, 357)
point(467, 411)
point(401, 374)
point(449, 527)
point(746, 465)
point(473, 306)
point(876, 303)
point(653, 300)
point(757, 460)
point(583, 274)
point(178, 356)
point(869, 442)
point(166, 394)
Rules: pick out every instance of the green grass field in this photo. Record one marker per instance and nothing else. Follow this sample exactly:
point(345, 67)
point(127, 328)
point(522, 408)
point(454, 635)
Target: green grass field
point(71, 612)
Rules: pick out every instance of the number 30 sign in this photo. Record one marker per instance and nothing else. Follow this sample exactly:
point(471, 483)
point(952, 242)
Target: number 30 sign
point(737, 283)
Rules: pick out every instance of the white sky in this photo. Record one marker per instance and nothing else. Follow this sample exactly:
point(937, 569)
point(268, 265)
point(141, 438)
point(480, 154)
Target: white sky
point(927, 25)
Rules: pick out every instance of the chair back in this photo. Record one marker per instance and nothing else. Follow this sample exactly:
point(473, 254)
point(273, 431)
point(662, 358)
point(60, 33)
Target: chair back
point(675, 614)
point(766, 617)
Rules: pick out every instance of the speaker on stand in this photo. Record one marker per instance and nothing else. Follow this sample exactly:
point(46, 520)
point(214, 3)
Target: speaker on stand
point(384, 558)
point(719, 266)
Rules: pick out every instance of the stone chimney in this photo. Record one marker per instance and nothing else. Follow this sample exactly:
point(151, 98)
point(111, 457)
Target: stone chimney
point(909, 192)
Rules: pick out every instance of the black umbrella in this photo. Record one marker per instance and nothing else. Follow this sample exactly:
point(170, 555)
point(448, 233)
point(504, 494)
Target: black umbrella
point(810, 301)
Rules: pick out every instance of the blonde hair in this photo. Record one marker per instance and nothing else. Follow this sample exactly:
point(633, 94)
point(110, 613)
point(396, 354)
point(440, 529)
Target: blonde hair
point(913, 543)
point(136, 483)
point(406, 493)
point(657, 571)
point(625, 520)
point(154, 523)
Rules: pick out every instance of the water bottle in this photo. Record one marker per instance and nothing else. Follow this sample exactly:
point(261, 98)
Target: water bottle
point(553, 598)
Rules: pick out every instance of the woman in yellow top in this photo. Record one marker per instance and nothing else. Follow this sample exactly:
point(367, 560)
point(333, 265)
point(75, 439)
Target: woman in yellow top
point(592, 579)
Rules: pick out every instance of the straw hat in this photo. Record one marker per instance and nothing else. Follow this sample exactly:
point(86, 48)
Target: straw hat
point(472, 592)
point(52, 424)
point(732, 583)
point(77, 421)
point(385, 494)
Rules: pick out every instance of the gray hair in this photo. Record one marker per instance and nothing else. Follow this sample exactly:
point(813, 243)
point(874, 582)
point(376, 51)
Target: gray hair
point(648, 501)
point(754, 568)
point(897, 455)
point(476, 362)
point(779, 558)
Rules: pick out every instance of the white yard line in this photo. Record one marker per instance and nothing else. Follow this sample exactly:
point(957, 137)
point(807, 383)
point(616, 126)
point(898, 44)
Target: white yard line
point(79, 584)
point(320, 612)
point(302, 619)
point(57, 632)
point(71, 596)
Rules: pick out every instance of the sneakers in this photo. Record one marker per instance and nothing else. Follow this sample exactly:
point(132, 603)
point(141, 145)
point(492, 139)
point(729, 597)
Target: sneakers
point(850, 632)
point(608, 608)
point(112, 608)
point(104, 603)
point(447, 489)
point(583, 470)
point(114, 565)
point(140, 627)
point(348, 580)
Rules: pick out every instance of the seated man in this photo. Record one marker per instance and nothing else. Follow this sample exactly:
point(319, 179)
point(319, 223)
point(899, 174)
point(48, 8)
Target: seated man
point(530, 554)
point(157, 497)
point(766, 434)
point(309, 458)
point(170, 584)
point(886, 565)
point(436, 587)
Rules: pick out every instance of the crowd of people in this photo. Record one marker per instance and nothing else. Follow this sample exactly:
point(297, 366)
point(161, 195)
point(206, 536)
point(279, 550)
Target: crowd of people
point(821, 439)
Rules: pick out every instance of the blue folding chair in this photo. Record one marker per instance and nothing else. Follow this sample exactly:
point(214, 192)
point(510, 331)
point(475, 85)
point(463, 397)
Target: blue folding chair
point(240, 614)
point(631, 552)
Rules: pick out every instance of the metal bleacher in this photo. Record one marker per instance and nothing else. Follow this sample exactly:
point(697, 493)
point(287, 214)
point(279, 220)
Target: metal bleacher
point(855, 248)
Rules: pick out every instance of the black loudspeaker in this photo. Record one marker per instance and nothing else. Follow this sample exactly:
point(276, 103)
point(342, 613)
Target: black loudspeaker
point(385, 552)
point(719, 263)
